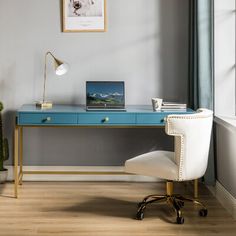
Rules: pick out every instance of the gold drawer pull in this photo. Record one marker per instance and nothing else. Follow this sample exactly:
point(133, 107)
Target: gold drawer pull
point(47, 119)
point(106, 119)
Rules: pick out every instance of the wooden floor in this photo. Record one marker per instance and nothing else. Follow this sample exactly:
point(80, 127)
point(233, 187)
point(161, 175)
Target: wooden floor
point(103, 209)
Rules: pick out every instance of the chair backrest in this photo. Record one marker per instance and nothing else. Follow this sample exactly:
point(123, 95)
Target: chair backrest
point(192, 142)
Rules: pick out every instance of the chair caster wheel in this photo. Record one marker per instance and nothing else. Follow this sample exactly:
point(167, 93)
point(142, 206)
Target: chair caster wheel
point(140, 215)
point(180, 220)
point(203, 212)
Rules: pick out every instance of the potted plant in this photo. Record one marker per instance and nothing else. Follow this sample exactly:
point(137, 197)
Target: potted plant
point(4, 150)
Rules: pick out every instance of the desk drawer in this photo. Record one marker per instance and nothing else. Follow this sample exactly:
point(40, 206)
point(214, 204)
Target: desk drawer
point(106, 118)
point(152, 118)
point(47, 119)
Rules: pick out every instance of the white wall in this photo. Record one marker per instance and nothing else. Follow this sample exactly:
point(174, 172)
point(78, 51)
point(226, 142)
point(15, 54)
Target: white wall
point(225, 94)
point(146, 45)
point(225, 57)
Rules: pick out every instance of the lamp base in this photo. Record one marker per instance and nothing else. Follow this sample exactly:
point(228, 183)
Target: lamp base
point(44, 105)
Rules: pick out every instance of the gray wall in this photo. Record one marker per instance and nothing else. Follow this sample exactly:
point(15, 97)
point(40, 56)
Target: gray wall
point(225, 154)
point(145, 45)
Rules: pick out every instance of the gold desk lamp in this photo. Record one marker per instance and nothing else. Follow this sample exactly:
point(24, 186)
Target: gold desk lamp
point(61, 68)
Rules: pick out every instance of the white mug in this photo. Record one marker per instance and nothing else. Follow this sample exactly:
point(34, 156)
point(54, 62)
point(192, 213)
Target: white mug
point(156, 104)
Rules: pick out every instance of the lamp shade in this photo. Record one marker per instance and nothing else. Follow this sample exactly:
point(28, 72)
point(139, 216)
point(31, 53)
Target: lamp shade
point(61, 67)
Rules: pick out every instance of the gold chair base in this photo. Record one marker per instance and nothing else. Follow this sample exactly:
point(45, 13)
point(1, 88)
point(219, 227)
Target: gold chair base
point(174, 200)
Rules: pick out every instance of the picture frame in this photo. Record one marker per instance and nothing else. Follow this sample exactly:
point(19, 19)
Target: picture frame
point(84, 15)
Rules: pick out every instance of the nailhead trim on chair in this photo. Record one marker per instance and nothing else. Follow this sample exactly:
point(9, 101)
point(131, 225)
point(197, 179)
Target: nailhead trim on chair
point(181, 154)
point(187, 117)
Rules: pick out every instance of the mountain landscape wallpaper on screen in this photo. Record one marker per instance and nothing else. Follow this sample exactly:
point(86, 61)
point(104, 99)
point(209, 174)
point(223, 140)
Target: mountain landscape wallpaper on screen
point(101, 93)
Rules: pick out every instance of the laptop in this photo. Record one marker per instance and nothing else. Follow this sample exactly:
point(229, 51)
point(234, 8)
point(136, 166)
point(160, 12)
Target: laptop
point(105, 95)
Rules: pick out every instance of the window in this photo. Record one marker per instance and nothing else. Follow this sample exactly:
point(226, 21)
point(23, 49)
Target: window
point(225, 58)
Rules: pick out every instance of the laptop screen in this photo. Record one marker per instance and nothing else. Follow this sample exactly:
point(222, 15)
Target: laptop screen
point(105, 94)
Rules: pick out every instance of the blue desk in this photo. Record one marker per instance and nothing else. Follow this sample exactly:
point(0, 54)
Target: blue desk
point(77, 116)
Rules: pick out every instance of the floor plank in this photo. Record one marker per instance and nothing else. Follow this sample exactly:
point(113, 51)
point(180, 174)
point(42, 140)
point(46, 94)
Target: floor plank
point(103, 208)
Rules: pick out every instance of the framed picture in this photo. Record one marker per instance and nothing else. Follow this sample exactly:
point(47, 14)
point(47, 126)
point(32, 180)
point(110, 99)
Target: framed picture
point(84, 15)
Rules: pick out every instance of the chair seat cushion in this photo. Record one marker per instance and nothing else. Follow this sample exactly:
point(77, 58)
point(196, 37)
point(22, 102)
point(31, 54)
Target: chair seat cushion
point(159, 164)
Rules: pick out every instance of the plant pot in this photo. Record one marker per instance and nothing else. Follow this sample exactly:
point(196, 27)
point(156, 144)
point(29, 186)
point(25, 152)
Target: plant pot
point(3, 176)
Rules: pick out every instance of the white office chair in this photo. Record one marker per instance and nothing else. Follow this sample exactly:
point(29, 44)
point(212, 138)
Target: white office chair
point(188, 162)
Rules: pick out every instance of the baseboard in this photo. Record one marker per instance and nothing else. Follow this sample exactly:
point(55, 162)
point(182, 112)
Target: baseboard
point(225, 198)
point(48, 177)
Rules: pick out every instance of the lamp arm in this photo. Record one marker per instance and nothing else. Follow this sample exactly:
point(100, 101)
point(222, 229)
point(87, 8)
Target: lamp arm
point(45, 73)
point(49, 53)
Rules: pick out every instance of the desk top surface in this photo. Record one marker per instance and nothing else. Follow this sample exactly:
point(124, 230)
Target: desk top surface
point(30, 108)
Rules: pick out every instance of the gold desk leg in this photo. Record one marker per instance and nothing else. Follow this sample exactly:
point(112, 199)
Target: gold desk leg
point(196, 188)
point(21, 154)
point(16, 146)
